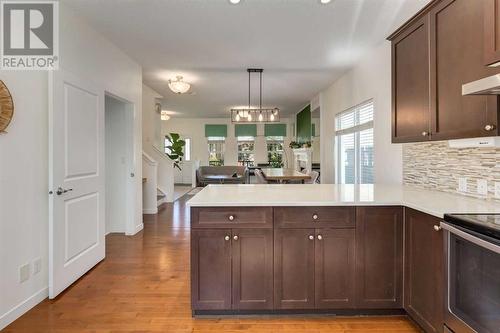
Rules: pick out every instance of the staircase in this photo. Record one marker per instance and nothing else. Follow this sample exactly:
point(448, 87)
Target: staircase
point(161, 197)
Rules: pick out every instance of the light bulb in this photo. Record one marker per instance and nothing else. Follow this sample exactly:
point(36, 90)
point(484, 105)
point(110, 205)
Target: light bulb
point(272, 117)
point(261, 117)
point(249, 116)
point(238, 116)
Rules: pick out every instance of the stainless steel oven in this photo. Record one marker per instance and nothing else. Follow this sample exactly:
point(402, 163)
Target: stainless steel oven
point(472, 248)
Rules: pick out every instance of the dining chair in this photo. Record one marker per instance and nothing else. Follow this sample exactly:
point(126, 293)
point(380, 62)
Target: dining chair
point(260, 177)
point(314, 177)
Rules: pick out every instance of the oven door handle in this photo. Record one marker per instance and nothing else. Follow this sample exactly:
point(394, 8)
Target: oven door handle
point(471, 238)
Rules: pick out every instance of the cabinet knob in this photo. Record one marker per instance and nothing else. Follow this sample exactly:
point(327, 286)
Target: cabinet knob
point(235, 237)
point(320, 237)
point(425, 133)
point(311, 237)
point(489, 127)
point(231, 217)
point(227, 238)
point(437, 228)
point(315, 216)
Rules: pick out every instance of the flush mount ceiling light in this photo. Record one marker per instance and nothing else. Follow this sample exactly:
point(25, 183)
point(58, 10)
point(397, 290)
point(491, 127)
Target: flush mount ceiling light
point(178, 86)
point(325, 1)
point(256, 115)
point(164, 115)
point(234, 2)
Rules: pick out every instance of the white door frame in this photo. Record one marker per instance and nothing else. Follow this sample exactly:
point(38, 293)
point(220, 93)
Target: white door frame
point(130, 227)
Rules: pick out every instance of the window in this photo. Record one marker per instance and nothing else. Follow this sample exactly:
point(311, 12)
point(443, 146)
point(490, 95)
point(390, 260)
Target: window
point(354, 144)
point(275, 151)
point(216, 150)
point(246, 150)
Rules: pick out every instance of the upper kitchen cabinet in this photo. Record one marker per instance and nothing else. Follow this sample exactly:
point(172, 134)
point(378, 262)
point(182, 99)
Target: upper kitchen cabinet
point(433, 55)
point(492, 32)
point(411, 83)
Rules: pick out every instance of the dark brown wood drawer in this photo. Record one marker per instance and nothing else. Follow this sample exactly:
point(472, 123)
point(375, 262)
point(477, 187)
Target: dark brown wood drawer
point(231, 217)
point(315, 217)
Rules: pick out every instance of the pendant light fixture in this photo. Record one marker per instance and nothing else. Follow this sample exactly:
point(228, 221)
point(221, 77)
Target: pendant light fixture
point(260, 115)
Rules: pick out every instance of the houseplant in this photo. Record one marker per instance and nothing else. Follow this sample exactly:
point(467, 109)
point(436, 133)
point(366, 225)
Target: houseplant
point(175, 148)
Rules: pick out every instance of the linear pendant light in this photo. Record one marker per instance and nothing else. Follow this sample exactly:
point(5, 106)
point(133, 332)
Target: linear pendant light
point(250, 115)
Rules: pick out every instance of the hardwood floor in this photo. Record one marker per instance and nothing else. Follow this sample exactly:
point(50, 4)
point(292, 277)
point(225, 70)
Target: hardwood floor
point(143, 286)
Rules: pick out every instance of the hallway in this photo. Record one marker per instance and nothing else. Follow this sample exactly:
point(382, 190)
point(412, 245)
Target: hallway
point(143, 286)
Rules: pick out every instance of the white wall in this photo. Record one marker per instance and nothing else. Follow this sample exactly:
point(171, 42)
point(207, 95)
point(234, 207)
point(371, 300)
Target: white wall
point(151, 138)
point(116, 164)
point(23, 194)
point(194, 128)
point(371, 78)
point(24, 156)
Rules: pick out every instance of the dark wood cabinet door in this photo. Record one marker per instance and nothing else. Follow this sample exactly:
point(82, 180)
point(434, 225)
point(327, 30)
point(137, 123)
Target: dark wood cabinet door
point(456, 58)
point(211, 269)
point(424, 272)
point(252, 251)
point(379, 257)
point(491, 12)
point(335, 268)
point(411, 83)
point(294, 268)
point(314, 217)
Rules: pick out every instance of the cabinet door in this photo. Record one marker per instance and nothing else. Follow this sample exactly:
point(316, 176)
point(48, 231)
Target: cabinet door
point(411, 83)
point(379, 257)
point(491, 11)
point(252, 252)
point(294, 268)
point(424, 273)
point(211, 269)
point(334, 276)
point(457, 58)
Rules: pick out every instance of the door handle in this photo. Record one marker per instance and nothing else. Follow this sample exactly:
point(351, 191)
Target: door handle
point(61, 190)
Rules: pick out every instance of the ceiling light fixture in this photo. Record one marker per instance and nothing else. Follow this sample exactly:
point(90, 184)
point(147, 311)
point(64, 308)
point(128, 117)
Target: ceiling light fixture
point(234, 2)
point(324, 2)
point(178, 86)
point(252, 114)
point(164, 115)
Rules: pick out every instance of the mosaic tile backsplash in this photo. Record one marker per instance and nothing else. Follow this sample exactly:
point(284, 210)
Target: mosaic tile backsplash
point(435, 165)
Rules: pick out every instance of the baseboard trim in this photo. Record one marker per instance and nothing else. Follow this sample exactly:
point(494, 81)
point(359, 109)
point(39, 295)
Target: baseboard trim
point(23, 307)
point(137, 229)
point(150, 210)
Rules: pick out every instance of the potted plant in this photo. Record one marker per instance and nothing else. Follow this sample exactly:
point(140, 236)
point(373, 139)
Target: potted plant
point(294, 145)
point(175, 148)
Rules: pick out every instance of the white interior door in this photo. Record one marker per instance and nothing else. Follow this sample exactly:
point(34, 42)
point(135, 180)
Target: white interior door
point(76, 178)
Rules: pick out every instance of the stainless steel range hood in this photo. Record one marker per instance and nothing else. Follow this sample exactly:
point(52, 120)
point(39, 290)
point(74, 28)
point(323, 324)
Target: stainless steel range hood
point(488, 86)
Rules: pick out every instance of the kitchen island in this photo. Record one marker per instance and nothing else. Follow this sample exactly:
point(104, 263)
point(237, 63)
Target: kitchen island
point(343, 249)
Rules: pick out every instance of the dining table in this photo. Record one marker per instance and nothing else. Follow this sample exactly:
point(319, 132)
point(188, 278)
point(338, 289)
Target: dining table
point(284, 175)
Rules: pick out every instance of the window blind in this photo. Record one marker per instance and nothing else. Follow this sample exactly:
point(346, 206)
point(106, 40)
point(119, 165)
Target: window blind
point(215, 130)
point(274, 129)
point(245, 130)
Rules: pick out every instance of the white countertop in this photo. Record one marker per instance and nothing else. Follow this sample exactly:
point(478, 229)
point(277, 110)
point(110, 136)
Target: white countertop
point(431, 202)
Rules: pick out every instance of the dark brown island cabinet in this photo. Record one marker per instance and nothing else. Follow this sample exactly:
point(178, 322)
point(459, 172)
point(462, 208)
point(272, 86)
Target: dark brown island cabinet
point(445, 45)
point(348, 260)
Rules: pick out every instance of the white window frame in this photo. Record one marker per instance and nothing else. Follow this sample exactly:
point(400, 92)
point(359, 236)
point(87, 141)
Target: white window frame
point(222, 141)
point(242, 139)
point(274, 139)
point(356, 130)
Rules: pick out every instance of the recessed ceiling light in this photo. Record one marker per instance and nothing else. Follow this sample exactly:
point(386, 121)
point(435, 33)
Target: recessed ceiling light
point(325, 1)
point(234, 2)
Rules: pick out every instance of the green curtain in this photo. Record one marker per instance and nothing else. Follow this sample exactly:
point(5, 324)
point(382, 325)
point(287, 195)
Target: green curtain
point(245, 130)
point(274, 129)
point(215, 130)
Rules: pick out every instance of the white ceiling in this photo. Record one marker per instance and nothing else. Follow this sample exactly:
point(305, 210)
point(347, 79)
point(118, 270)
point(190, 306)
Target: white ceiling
point(302, 45)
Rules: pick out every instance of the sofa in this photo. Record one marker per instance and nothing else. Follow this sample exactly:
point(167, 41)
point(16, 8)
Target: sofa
point(227, 170)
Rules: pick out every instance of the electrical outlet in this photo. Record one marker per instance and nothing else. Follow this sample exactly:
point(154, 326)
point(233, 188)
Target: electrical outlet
point(482, 187)
point(462, 184)
point(497, 190)
point(24, 273)
point(37, 266)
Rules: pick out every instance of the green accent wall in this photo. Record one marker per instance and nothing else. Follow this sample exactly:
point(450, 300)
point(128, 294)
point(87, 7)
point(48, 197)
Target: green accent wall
point(215, 130)
point(304, 128)
point(245, 130)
